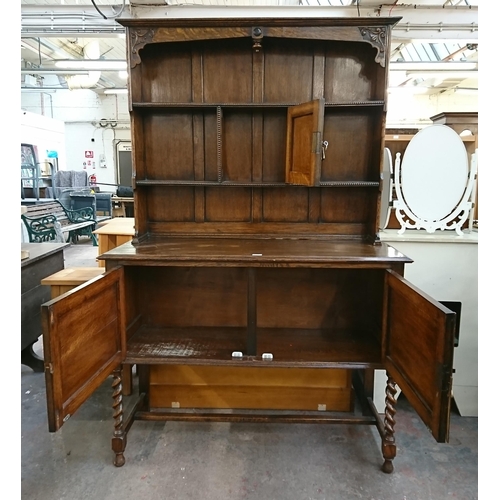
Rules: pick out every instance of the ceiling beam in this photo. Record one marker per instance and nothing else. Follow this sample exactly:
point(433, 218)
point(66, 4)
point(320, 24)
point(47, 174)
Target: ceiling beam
point(424, 22)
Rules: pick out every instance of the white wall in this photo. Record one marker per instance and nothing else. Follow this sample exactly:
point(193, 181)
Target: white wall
point(87, 118)
point(413, 111)
point(47, 134)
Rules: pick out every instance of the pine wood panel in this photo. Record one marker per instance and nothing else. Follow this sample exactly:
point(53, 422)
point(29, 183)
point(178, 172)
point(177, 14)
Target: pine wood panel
point(255, 398)
point(245, 388)
point(70, 277)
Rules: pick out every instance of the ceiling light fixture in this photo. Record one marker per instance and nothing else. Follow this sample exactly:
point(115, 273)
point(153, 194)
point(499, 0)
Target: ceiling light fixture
point(405, 90)
point(92, 64)
point(443, 74)
point(53, 71)
point(116, 91)
point(433, 66)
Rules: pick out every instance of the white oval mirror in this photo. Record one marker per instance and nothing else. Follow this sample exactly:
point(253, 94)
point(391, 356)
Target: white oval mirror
point(386, 197)
point(434, 172)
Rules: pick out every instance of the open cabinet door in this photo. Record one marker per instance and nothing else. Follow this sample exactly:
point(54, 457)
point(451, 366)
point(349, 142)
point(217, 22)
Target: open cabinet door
point(418, 351)
point(83, 342)
point(304, 141)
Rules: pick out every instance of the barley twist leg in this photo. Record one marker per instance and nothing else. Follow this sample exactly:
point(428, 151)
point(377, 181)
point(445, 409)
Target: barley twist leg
point(388, 440)
point(119, 440)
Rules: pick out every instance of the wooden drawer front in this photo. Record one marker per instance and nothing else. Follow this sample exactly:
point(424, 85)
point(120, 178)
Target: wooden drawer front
point(33, 294)
point(33, 273)
point(251, 388)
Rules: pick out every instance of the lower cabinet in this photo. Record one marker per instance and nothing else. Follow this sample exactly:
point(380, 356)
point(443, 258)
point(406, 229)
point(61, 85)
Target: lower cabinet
point(289, 335)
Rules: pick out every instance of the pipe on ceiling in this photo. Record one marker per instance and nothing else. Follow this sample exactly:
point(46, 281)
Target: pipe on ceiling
point(91, 50)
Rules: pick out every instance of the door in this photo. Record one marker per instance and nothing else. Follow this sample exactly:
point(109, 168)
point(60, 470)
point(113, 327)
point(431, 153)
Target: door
point(124, 163)
point(417, 351)
point(83, 342)
point(304, 143)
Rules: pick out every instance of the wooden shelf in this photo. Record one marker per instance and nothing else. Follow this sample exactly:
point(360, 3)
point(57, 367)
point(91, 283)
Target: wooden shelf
point(320, 348)
point(354, 184)
point(252, 251)
point(249, 105)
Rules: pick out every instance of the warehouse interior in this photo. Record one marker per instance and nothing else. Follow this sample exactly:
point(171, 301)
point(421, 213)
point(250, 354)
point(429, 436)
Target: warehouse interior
point(75, 103)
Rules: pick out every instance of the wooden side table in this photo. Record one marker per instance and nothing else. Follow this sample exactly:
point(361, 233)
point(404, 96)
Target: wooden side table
point(67, 279)
point(122, 206)
point(114, 233)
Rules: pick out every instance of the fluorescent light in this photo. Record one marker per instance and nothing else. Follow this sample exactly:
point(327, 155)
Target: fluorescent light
point(43, 90)
point(92, 64)
point(443, 74)
point(116, 91)
point(433, 66)
point(465, 91)
point(407, 89)
point(53, 71)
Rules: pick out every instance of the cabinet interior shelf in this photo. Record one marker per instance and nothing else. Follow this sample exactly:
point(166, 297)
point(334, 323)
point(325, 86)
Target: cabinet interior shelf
point(253, 105)
point(354, 184)
point(291, 347)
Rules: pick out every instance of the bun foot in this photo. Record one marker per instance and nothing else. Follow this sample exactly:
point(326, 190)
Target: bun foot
point(388, 467)
point(119, 460)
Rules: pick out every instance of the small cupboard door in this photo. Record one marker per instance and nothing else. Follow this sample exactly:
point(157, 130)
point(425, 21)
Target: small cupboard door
point(83, 341)
point(417, 351)
point(304, 142)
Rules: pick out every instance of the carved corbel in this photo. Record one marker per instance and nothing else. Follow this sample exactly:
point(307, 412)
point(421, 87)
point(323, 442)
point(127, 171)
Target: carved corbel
point(377, 37)
point(138, 39)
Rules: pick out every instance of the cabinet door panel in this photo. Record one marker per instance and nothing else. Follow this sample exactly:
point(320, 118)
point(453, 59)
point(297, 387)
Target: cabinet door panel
point(84, 341)
point(304, 143)
point(418, 351)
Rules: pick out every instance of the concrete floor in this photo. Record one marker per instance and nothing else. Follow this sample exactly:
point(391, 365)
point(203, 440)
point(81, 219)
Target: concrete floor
point(219, 461)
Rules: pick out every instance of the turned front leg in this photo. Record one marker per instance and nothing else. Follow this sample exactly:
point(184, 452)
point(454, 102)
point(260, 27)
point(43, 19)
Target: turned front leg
point(119, 441)
point(388, 440)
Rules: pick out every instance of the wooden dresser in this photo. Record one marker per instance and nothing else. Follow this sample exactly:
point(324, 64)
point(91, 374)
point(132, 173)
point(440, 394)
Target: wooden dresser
point(38, 260)
point(255, 287)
